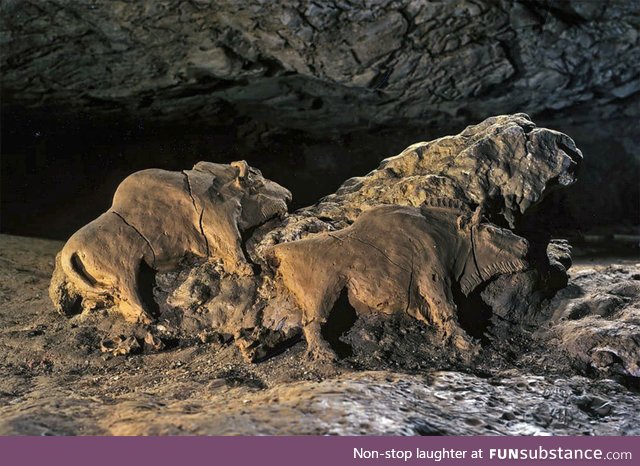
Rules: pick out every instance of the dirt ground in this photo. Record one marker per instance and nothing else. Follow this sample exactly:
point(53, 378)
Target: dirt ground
point(54, 380)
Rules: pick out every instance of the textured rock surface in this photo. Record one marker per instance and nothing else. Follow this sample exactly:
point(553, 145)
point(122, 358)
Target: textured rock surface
point(597, 320)
point(321, 66)
point(368, 403)
point(92, 91)
point(504, 164)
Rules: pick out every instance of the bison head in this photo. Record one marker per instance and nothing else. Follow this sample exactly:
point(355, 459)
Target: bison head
point(493, 251)
point(262, 199)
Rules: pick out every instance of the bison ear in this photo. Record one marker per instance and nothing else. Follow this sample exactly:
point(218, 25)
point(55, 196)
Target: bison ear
point(242, 168)
point(476, 218)
point(462, 222)
point(468, 220)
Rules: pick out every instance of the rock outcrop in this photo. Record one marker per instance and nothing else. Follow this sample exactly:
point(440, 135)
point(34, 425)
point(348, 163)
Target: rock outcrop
point(321, 89)
point(329, 66)
point(596, 321)
point(505, 164)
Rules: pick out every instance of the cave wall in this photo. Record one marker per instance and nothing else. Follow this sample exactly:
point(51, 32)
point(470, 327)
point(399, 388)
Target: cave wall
point(310, 92)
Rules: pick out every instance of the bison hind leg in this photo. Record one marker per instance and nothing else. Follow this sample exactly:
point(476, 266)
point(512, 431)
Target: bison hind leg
point(146, 278)
point(66, 299)
point(324, 333)
point(137, 303)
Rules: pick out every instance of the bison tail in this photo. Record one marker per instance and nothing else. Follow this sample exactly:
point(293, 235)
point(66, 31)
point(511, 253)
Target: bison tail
point(75, 270)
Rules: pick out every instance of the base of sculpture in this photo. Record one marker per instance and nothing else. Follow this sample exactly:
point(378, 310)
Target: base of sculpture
point(58, 379)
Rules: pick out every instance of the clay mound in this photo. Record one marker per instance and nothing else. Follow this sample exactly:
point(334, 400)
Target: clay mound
point(504, 164)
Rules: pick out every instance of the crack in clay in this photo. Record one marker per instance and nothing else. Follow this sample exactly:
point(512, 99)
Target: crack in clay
point(195, 207)
point(406, 310)
point(379, 250)
point(189, 190)
point(206, 241)
point(153, 253)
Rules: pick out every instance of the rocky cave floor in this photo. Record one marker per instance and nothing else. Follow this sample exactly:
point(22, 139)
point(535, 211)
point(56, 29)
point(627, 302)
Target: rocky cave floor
point(56, 381)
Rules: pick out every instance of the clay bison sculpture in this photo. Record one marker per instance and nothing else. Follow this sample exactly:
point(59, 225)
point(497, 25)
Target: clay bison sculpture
point(397, 259)
point(157, 218)
point(388, 240)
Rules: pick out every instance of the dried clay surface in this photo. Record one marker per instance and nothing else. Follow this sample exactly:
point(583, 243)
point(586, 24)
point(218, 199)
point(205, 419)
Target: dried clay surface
point(55, 380)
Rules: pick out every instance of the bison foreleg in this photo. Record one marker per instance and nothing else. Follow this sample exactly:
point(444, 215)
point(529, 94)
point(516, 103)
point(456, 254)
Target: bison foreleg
point(318, 348)
point(442, 313)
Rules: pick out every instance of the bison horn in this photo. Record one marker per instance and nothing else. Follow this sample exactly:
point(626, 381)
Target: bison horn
point(469, 221)
point(243, 168)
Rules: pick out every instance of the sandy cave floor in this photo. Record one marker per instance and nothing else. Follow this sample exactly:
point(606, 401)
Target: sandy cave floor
point(55, 381)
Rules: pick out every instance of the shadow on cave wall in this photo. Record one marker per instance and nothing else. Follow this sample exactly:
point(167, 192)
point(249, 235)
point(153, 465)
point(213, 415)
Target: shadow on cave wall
point(59, 175)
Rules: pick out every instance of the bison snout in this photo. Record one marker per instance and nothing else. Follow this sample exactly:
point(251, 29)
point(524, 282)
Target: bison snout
point(522, 247)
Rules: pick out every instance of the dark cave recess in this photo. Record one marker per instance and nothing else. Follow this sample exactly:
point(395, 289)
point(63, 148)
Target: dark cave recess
point(60, 173)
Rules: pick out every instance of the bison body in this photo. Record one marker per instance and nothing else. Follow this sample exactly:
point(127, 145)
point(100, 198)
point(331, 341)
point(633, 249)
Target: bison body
point(396, 259)
point(156, 219)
